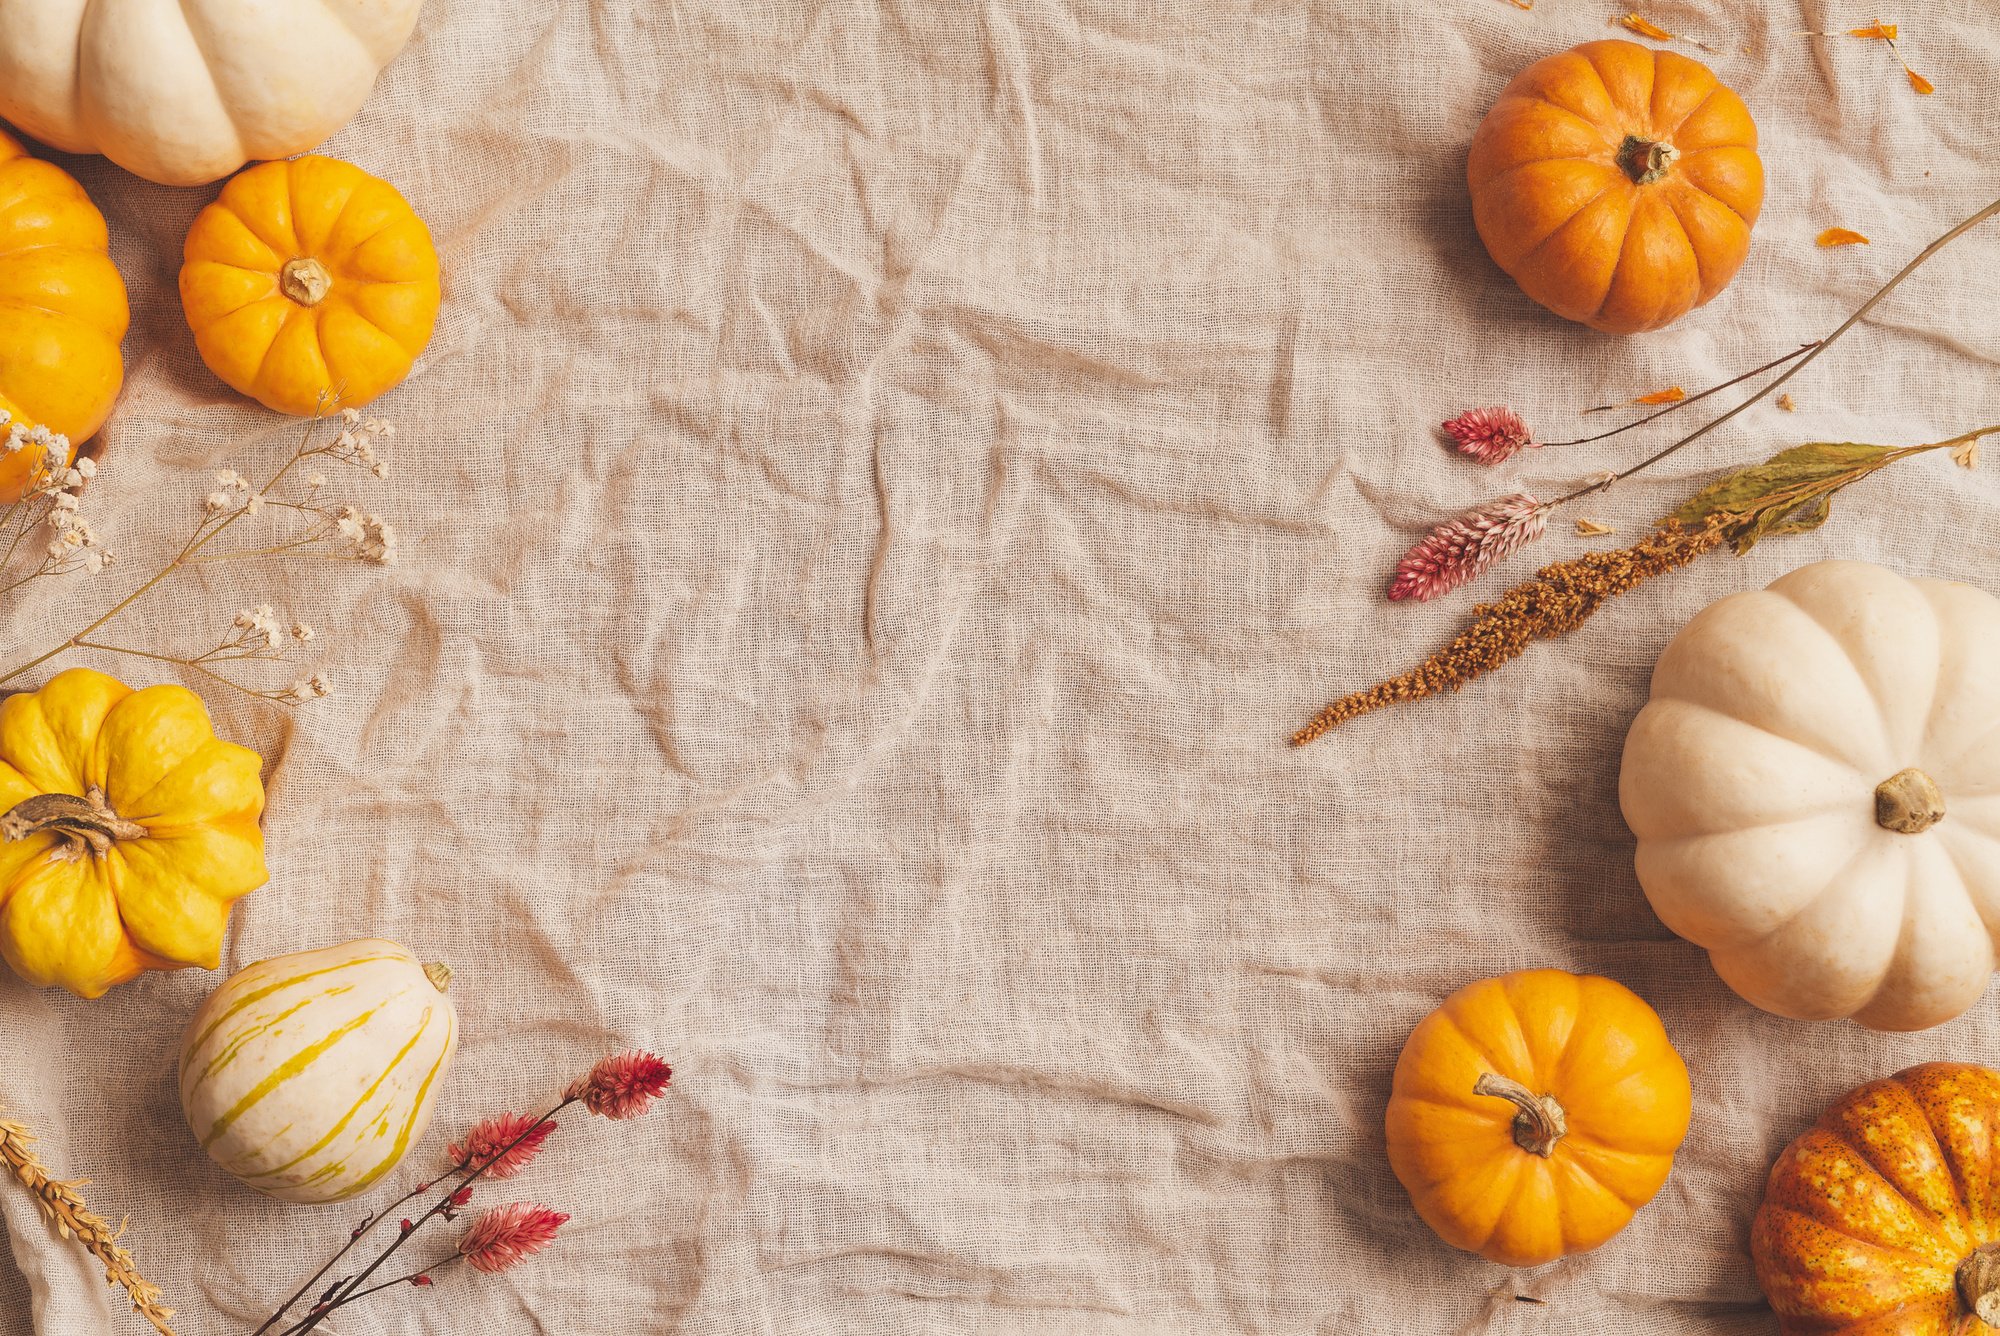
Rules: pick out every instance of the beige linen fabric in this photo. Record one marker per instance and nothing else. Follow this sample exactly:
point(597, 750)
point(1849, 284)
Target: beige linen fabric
point(888, 477)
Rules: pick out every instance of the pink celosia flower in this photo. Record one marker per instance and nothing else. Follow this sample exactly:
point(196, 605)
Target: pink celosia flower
point(507, 1140)
point(1489, 435)
point(623, 1085)
point(507, 1235)
point(1459, 549)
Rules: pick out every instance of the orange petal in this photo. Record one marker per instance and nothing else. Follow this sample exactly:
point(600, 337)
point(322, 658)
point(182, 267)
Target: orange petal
point(1878, 29)
point(1634, 23)
point(1919, 82)
point(1842, 236)
point(1673, 394)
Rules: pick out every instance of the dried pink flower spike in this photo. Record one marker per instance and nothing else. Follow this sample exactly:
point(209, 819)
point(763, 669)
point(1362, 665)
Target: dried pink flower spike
point(623, 1085)
point(1489, 435)
point(508, 1235)
point(1460, 549)
point(503, 1144)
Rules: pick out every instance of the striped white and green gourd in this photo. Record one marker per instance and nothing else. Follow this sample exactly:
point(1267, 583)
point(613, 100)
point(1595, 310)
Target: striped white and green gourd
point(309, 1076)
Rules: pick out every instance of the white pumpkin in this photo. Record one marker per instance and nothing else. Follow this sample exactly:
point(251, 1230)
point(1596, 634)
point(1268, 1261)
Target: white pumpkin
point(187, 91)
point(309, 1076)
point(1815, 786)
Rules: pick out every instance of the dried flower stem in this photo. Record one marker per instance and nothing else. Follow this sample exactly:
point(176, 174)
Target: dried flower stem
point(64, 1207)
point(236, 499)
point(350, 1290)
point(1812, 351)
point(367, 1228)
point(1777, 497)
point(1679, 404)
point(1560, 598)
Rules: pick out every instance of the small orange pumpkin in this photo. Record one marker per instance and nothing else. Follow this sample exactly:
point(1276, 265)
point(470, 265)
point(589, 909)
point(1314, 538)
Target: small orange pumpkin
point(1533, 1114)
point(1617, 184)
point(1884, 1216)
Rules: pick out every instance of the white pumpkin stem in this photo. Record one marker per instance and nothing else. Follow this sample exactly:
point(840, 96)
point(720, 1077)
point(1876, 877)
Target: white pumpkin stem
point(85, 824)
point(439, 974)
point(1646, 160)
point(1541, 1121)
point(1908, 802)
point(1978, 1281)
point(305, 280)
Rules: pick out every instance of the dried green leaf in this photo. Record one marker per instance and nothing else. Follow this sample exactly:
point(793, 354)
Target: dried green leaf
point(1742, 491)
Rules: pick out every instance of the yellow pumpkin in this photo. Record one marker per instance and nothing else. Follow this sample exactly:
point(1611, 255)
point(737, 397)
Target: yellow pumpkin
point(129, 830)
point(309, 282)
point(1533, 1114)
point(62, 309)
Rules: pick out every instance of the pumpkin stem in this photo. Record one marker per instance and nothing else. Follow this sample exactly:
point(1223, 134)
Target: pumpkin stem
point(83, 825)
point(305, 281)
point(1978, 1281)
point(439, 974)
point(1908, 802)
point(1541, 1121)
point(1646, 160)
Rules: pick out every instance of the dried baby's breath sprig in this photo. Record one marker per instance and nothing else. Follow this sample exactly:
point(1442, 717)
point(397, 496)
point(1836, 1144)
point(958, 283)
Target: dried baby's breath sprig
point(1792, 492)
point(291, 499)
point(63, 1205)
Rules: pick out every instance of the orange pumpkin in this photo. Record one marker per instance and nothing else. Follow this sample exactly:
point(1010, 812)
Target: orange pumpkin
point(1883, 1218)
point(1617, 184)
point(1534, 1113)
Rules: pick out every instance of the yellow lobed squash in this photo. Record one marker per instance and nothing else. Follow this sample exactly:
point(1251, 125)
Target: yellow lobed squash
point(309, 1076)
point(129, 830)
point(62, 309)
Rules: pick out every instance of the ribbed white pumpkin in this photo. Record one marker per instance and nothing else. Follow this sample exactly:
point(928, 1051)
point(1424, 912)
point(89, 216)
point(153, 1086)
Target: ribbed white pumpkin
point(186, 91)
point(309, 1076)
point(1816, 790)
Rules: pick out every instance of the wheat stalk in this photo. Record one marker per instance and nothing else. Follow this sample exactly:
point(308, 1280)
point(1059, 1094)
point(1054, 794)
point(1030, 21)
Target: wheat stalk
point(62, 1203)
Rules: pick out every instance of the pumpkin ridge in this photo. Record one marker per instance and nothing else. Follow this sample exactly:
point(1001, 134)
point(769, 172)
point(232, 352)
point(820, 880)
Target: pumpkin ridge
point(1708, 707)
point(1618, 265)
point(1619, 103)
point(1527, 257)
point(1484, 1052)
point(1863, 850)
point(1674, 198)
point(203, 44)
point(1595, 127)
point(1694, 111)
point(1847, 654)
point(1908, 1259)
point(1805, 1207)
point(1935, 1228)
point(1709, 194)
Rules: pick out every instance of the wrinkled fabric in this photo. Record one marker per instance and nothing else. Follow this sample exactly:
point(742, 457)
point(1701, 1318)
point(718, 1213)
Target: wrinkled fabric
point(888, 478)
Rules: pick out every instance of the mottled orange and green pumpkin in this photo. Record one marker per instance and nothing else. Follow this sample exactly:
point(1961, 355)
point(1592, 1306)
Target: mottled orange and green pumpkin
point(1883, 1218)
point(1617, 184)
